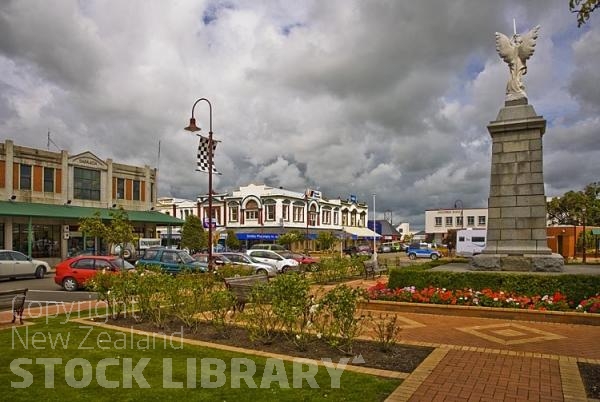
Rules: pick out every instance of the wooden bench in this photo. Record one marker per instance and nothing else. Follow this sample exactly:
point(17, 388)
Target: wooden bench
point(374, 267)
point(15, 300)
point(241, 287)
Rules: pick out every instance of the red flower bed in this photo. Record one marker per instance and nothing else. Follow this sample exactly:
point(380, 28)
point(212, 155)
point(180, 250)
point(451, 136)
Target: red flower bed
point(484, 297)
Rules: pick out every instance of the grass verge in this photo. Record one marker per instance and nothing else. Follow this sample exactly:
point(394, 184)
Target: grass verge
point(62, 360)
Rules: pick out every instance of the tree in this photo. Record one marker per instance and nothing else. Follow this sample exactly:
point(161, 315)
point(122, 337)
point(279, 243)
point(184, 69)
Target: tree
point(289, 238)
point(193, 236)
point(232, 241)
point(576, 206)
point(583, 8)
point(326, 240)
point(118, 232)
point(93, 227)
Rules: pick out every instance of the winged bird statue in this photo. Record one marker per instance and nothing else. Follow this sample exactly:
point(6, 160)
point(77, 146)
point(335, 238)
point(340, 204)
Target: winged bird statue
point(515, 52)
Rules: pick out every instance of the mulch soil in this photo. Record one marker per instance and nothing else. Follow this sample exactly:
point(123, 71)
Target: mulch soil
point(590, 374)
point(402, 358)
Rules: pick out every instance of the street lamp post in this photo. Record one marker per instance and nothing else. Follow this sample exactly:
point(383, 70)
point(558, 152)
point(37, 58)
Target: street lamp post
point(456, 204)
point(193, 128)
point(374, 230)
point(583, 211)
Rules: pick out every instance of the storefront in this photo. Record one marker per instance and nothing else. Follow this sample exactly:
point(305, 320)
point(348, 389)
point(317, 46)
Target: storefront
point(51, 232)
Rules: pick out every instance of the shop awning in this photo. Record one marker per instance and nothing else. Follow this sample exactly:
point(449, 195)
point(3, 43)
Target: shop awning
point(18, 208)
point(360, 232)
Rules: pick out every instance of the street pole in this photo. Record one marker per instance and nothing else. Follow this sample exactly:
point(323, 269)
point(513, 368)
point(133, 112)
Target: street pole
point(583, 238)
point(374, 231)
point(193, 128)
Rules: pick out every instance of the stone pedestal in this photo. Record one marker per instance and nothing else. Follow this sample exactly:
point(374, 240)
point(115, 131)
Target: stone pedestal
point(516, 234)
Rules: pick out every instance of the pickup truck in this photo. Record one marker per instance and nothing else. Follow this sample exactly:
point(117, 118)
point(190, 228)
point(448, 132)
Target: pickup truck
point(171, 261)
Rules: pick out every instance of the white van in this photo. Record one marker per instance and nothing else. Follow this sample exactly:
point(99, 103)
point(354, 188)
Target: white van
point(470, 242)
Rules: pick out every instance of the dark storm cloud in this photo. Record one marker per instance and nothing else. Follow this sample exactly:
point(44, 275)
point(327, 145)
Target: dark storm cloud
point(352, 97)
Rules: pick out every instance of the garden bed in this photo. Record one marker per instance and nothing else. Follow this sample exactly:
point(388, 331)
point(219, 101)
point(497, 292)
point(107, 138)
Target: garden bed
point(563, 317)
point(401, 358)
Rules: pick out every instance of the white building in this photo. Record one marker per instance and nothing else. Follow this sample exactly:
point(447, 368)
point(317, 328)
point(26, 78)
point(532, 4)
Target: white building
point(263, 213)
point(439, 221)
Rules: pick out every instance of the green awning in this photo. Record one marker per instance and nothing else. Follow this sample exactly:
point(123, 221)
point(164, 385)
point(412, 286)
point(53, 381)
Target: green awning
point(18, 208)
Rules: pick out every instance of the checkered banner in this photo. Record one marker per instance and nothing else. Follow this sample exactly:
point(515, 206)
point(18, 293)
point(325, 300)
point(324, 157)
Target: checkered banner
point(202, 165)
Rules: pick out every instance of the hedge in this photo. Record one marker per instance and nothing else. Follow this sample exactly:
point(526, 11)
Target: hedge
point(574, 287)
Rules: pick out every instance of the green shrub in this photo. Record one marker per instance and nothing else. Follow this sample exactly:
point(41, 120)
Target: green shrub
point(337, 316)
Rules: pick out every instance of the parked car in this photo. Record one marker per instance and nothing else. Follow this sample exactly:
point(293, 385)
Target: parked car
point(274, 259)
point(422, 252)
point(171, 261)
point(311, 262)
point(218, 259)
point(265, 246)
point(14, 264)
point(243, 259)
point(358, 250)
point(73, 273)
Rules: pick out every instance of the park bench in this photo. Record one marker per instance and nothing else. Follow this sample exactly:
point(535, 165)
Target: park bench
point(372, 267)
point(15, 300)
point(241, 287)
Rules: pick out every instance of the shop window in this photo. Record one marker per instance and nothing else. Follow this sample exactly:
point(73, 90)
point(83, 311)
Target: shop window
point(86, 184)
point(48, 180)
point(25, 177)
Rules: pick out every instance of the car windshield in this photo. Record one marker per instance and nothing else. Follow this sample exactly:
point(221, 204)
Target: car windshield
point(121, 264)
point(253, 259)
point(185, 257)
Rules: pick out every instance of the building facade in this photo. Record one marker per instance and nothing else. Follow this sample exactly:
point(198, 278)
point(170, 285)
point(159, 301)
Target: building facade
point(43, 195)
point(439, 221)
point(259, 213)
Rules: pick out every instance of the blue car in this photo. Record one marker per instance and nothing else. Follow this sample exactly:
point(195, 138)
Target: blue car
point(171, 261)
point(418, 252)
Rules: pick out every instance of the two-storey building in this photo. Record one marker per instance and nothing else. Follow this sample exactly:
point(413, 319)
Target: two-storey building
point(263, 213)
point(44, 194)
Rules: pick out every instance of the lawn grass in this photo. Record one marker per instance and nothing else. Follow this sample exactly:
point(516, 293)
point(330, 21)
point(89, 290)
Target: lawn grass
point(93, 344)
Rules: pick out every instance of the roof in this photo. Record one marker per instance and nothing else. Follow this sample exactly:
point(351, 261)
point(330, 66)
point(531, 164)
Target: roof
point(360, 232)
point(387, 229)
point(18, 208)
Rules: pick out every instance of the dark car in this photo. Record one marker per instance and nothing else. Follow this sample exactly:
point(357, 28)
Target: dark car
point(358, 250)
point(171, 261)
point(73, 273)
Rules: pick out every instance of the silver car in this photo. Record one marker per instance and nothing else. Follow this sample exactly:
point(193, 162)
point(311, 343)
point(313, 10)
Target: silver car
point(243, 259)
point(14, 264)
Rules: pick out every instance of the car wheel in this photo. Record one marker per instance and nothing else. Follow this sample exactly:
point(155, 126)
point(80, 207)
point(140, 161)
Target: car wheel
point(412, 256)
point(262, 271)
point(40, 272)
point(69, 284)
point(284, 270)
point(434, 257)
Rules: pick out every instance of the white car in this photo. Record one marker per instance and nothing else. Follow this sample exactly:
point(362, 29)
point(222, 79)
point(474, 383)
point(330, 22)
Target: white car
point(14, 264)
point(243, 259)
point(273, 258)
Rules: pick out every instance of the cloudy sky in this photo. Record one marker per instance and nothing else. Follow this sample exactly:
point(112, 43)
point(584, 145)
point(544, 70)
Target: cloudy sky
point(350, 97)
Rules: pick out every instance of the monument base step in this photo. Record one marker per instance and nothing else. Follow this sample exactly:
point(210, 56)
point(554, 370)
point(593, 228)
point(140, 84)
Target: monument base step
point(525, 262)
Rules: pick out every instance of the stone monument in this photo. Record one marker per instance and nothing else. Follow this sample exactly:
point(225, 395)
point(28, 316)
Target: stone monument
point(516, 234)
